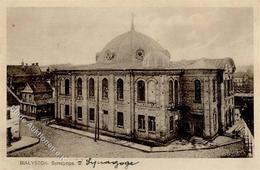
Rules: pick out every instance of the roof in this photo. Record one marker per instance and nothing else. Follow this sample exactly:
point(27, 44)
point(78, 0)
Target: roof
point(240, 74)
point(134, 47)
point(23, 70)
point(40, 86)
point(12, 99)
point(203, 63)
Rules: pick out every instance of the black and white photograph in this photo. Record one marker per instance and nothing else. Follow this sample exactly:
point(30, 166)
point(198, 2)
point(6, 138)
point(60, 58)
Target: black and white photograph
point(129, 82)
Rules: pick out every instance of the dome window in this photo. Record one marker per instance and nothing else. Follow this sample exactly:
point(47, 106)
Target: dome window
point(140, 54)
point(109, 55)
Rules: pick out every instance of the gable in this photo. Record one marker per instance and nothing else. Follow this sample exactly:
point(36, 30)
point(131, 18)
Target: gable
point(27, 89)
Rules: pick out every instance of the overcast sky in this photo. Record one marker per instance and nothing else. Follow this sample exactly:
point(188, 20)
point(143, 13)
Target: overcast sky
point(75, 35)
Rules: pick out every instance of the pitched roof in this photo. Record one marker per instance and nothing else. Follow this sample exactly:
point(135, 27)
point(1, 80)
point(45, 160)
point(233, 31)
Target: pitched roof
point(23, 70)
point(40, 86)
point(240, 74)
point(203, 63)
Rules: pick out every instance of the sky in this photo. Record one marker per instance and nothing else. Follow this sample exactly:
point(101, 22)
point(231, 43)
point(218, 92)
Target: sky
point(75, 35)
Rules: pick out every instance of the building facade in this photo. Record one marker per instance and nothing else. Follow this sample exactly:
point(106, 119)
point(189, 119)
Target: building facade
point(37, 99)
point(134, 90)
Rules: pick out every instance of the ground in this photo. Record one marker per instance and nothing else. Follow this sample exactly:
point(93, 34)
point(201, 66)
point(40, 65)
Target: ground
point(73, 145)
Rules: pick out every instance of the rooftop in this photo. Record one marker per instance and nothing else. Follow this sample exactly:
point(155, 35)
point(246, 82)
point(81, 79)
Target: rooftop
point(23, 70)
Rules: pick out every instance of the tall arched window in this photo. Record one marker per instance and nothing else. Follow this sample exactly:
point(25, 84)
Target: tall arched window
point(67, 87)
point(197, 85)
point(170, 91)
point(61, 86)
point(120, 89)
point(176, 92)
point(104, 88)
point(91, 87)
point(151, 89)
point(214, 90)
point(79, 87)
point(141, 90)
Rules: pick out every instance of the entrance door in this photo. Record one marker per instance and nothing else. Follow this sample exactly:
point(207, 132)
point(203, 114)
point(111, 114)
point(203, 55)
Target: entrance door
point(198, 126)
point(9, 136)
point(105, 120)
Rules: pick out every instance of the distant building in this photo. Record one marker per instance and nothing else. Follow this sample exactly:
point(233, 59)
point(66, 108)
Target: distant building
point(134, 90)
point(243, 82)
point(13, 109)
point(37, 99)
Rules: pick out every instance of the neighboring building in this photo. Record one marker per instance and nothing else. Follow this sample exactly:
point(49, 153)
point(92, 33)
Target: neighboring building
point(19, 75)
point(240, 78)
point(134, 90)
point(37, 99)
point(13, 109)
point(33, 86)
point(243, 82)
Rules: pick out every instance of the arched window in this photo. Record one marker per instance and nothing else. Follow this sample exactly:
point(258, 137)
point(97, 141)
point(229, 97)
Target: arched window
point(197, 85)
point(141, 90)
point(120, 89)
point(104, 88)
point(151, 92)
point(67, 87)
point(61, 86)
point(176, 92)
point(170, 91)
point(91, 87)
point(79, 87)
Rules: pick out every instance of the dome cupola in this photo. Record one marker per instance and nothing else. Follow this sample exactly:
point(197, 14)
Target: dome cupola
point(134, 47)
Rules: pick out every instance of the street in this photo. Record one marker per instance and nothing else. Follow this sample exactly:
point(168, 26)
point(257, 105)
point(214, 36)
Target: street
point(73, 145)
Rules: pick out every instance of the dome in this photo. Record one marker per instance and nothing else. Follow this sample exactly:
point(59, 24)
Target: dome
point(156, 59)
point(134, 47)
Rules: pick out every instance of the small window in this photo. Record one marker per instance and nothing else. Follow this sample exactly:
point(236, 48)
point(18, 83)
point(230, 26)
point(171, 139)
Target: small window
point(151, 124)
point(140, 90)
point(91, 114)
point(215, 119)
point(67, 110)
point(120, 119)
point(141, 122)
point(30, 98)
point(105, 112)
point(79, 112)
point(8, 114)
point(171, 123)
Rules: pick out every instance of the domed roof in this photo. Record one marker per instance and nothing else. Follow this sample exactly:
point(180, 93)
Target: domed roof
point(134, 47)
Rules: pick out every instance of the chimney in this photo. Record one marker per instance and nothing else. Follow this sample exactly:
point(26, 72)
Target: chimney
point(22, 63)
point(37, 63)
